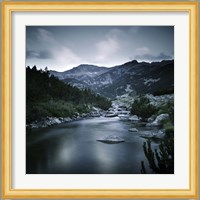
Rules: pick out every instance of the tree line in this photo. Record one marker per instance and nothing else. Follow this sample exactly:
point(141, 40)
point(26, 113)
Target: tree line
point(46, 95)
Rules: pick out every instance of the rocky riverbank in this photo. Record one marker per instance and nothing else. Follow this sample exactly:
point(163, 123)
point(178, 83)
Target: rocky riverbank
point(50, 121)
point(120, 108)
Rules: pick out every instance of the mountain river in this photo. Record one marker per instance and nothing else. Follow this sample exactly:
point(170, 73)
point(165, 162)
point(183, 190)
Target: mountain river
point(72, 148)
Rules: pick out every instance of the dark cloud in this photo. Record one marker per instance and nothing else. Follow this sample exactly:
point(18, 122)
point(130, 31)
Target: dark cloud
point(64, 47)
point(40, 55)
point(150, 57)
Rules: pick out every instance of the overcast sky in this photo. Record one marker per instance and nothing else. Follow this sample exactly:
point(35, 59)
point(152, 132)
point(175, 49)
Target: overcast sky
point(64, 47)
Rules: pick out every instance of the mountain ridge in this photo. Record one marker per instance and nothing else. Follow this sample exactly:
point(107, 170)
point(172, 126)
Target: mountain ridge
point(127, 78)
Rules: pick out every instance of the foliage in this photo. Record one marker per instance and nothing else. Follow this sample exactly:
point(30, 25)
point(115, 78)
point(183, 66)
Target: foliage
point(163, 92)
point(167, 108)
point(48, 96)
point(168, 126)
point(160, 161)
point(143, 108)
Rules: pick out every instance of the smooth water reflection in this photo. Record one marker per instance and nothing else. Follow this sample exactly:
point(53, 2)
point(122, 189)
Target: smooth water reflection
point(72, 148)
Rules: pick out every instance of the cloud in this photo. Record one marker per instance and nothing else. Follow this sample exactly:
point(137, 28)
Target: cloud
point(109, 46)
point(163, 56)
point(150, 57)
point(115, 33)
point(45, 36)
point(40, 55)
point(143, 54)
point(50, 48)
point(134, 29)
point(142, 51)
point(106, 48)
point(64, 55)
point(31, 54)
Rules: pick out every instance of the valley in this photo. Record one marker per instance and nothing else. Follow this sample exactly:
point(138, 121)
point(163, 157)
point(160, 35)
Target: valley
point(115, 111)
point(100, 97)
point(127, 79)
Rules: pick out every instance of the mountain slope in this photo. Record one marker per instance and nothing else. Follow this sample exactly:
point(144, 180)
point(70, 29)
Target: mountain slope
point(47, 96)
point(128, 78)
point(137, 77)
point(81, 72)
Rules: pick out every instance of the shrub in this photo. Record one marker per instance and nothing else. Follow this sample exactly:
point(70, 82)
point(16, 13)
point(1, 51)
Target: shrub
point(143, 108)
point(161, 161)
point(168, 125)
point(163, 92)
point(167, 108)
point(48, 96)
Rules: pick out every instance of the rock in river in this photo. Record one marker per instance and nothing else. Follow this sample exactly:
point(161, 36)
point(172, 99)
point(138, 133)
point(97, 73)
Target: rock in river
point(111, 139)
point(111, 115)
point(123, 117)
point(158, 120)
point(134, 118)
point(133, 130)
point(153, 135)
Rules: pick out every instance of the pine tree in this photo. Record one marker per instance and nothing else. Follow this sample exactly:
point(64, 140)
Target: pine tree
point(160, 161)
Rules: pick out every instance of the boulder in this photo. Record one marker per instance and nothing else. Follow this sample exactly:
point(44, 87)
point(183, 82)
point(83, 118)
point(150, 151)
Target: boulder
point(111, 139)
point(57, 121)
point(133, 130)
point(111, 114)
point(95, 115)
point(153, 135)
point(134, 118)
point(123, 117)
point(158, 120)
point(67, 119)
point(160, 134)
point(124, 112)
point(150, 119)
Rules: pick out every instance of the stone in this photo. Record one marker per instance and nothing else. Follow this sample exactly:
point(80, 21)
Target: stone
point(134, 118)
point(153, 135)
point(133, 130)
point(150, 119)
point(123, 117)
point(111, 139)
point(158, 120)
point(111, 114)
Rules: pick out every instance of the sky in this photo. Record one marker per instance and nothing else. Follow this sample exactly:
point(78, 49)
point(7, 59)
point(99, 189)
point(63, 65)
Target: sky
point(64, 47)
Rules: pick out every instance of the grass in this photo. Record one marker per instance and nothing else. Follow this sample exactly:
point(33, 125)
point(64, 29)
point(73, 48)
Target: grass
point(54, 108)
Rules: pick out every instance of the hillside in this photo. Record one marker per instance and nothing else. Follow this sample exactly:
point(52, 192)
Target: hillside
point(46, 95)
point(129, 78)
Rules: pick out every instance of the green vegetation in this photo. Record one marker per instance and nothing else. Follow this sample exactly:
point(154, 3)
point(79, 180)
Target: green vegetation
point(168, 126)
point(163, 92)
point(160, 161)
point(48, 96)
point(167, 108)
point(143, 108)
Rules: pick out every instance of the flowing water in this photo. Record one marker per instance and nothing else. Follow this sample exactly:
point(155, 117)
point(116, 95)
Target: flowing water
point(72, 148)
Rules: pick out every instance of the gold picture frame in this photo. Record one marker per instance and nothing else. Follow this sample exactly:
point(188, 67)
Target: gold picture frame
point(7, 9)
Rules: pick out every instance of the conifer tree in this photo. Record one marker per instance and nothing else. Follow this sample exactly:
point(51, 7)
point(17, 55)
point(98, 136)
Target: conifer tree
point(160, 161)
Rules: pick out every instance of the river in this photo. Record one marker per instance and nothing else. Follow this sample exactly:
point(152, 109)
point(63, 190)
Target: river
point(72, 148)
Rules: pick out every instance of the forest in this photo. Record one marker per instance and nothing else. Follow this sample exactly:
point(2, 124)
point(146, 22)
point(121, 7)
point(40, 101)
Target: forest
point(46, 95)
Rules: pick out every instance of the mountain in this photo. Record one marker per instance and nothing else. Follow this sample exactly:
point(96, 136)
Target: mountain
point(81, 72)
point(128, 78)
point(80, 76)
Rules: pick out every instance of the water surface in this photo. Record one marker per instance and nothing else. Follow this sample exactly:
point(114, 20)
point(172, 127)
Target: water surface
point(72, 148)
